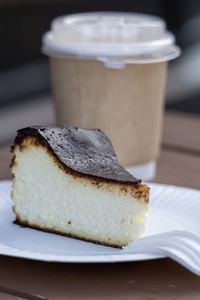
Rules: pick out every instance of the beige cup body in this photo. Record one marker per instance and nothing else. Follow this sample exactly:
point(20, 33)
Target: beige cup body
point(127, 104)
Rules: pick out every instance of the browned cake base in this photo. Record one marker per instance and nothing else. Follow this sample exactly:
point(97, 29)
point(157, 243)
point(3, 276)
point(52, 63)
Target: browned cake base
point(48, 230)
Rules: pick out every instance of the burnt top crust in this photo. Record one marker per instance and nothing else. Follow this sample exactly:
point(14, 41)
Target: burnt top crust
point(86, 151)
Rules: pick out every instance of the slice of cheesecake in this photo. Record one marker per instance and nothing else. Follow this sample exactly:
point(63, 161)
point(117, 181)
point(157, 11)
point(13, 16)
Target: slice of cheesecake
point(69, 181)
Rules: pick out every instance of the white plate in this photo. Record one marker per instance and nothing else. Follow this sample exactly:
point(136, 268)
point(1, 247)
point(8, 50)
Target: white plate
point(172, 208)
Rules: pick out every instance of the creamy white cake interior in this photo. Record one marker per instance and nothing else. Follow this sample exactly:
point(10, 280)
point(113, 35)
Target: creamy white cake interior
point(48, 197)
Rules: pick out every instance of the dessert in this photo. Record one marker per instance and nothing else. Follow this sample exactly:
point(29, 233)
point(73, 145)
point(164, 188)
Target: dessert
point(69, 181)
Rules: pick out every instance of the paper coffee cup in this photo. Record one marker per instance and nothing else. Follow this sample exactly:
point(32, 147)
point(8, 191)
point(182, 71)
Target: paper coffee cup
point(109, 72)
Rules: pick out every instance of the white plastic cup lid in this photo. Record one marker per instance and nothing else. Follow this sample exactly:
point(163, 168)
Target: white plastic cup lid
point(111, 37)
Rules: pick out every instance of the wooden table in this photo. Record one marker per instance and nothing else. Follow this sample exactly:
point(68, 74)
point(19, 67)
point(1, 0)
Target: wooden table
point(179, 164)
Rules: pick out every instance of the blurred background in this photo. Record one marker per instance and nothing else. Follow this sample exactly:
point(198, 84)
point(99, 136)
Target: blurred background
point(25, 93)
